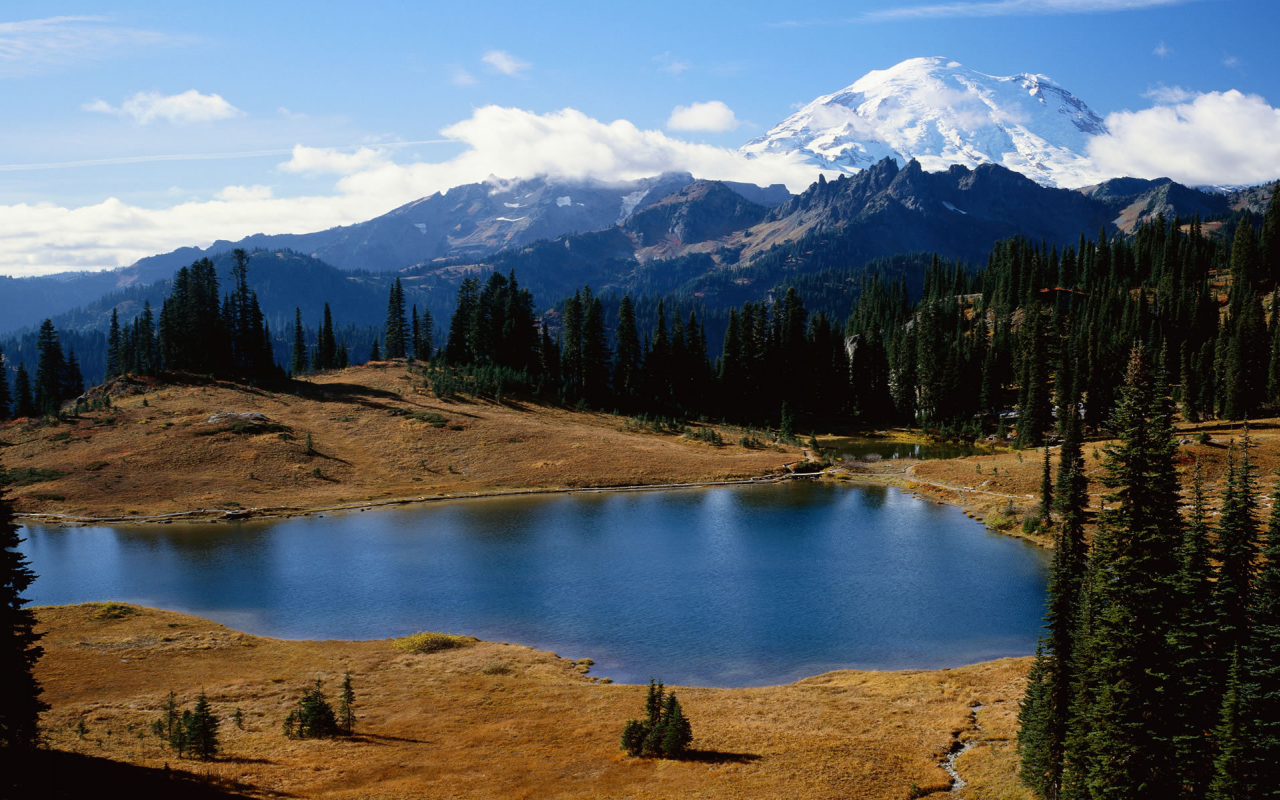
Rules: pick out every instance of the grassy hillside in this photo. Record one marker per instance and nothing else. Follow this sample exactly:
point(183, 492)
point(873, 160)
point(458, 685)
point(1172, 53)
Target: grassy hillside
point(375, 435)
point(502, 720)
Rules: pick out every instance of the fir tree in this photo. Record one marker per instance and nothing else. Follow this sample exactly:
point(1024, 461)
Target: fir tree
point(347, 706)
point(1199, 702)
point(1229, 779)
point(1046, 489)
point(20, 703)
point(298, 359)
point(202, 730)
point(397, 332)
point(50, 370)
point(1238, 541)
point(326, 346)
point(1260, 670)
point(6, 399)
point(1130, 735)
point(375, 354)
point(113, 346)
point(23, 403)
point(627, 361)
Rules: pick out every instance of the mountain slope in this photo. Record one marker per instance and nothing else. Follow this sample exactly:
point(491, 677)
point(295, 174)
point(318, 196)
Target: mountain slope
point(940, 113)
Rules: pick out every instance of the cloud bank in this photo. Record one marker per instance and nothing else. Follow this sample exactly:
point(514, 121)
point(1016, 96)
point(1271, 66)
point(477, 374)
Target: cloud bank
point(1218, 138)
point(506, 142)
point(713, 116)
point(189, 106)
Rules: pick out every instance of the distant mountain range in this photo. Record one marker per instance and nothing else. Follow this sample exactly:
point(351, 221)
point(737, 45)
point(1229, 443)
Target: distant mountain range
point(935, 158)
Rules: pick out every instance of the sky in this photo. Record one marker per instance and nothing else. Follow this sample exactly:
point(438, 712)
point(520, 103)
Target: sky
point(135, 128)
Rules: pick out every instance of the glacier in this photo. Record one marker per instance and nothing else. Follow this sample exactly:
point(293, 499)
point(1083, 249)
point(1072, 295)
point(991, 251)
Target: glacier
point(940, 113)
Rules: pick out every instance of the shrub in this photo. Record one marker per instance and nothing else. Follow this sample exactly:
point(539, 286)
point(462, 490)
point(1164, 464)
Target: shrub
point(430, 642)
point(665, 732)
point(112, 610)
point(496, 668)
point(25, 476)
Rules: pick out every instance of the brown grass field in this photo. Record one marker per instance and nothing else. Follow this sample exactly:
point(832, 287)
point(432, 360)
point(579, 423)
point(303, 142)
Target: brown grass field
point(374, 438)
point(505, 721)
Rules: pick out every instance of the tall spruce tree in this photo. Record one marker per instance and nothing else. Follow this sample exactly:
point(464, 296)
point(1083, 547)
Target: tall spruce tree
point(6, 399)
point(50, 369)
point(24, 404)
point(627, 358)
point(298, 358)
point(397, 331)
point(1131, 737)
point(1238, 545)
point(113, 345)
point(20, 703)
point(1260, 672)
point(1199, 692)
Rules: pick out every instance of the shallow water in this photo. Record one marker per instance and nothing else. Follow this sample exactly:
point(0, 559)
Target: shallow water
point(728, 586)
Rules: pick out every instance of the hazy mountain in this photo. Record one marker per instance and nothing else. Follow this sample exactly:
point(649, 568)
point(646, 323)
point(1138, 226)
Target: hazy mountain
point(939, 113)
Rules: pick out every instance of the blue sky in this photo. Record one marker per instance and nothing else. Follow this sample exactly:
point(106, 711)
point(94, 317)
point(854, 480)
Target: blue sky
point(92, 81)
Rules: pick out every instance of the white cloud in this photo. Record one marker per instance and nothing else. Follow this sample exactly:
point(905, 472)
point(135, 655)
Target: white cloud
point(30, 47)
point(189, 106)
point(670, 64)
point(1162, 50)
point(505, 63)
point(1215, 138)
point(992, 8)
point(508, 142)
point(460, 77)
point(713, 116)
point(233, 193)
point(329, 160)
point(1167, 95)
point(1231, 61)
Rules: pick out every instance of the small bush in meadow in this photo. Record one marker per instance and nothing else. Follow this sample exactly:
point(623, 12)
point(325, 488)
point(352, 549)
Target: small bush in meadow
point(430, 642)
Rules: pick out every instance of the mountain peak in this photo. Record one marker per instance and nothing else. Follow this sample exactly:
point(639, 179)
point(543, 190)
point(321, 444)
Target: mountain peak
point(941, 113)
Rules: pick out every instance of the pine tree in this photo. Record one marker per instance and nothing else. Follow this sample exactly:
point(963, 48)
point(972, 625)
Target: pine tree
point(397, 332)
point(72, 378)
point(1238, 544)
point(1229, 780)
point(627, 359)
point(49, 370)
point(6, 399)
point(375, 354)
point(1050, 696)
point(113, 346)
point(347, 706)
point(1046, 489)
point(20, 703)
point(1130, 736)
point(677, 733)
point(1260, 670)
point(23, 403)
point(458, 349)
point(298, 360)
point(1199, 695)
point(202, 730)
point(326, 347)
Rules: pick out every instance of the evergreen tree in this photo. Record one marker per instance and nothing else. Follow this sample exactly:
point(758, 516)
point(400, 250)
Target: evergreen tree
point(347, 706)
point(1260, 671)
point(1046, 489)
point(1130, 735)
point(50, 370)
point(20, 703)
point(298, 359)
point(6, 400)
point(1199, 694)
point(627, 359)
point(1229, 779)
point(326, 346)
point(397, 331)
point(375, 354)
point(202, 730)
point(1238, 544)
point(458, 349)
point(23, 403)
point(113, 346)
point(72, 379)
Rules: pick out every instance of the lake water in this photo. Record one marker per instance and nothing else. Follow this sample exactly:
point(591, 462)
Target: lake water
point(728, 586)
point(859, 448)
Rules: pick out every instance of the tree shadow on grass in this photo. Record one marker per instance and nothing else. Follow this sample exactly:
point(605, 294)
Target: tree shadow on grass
point(59, 774)
point(378, 738)
point(718, 757)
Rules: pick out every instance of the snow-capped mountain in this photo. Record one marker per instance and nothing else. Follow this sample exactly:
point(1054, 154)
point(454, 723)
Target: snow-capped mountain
point(940, 113)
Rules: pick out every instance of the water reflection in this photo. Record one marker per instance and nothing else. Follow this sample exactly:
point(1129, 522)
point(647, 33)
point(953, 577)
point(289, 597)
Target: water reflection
point(727, 586)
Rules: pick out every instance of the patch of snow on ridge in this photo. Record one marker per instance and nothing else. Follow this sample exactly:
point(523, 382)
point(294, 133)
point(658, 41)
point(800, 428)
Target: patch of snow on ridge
point(940, 113)
point(953, 208)
point(422, 227)
point(509, 219)
point(629, 203)
point(512, 205)
point(561, 202)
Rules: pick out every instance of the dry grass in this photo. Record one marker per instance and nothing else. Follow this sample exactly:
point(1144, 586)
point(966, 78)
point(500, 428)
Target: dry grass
point(501, 720)
point(376, 435)
point(430, 642)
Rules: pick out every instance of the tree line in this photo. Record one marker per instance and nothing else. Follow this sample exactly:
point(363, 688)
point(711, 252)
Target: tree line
point(1158, 673)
